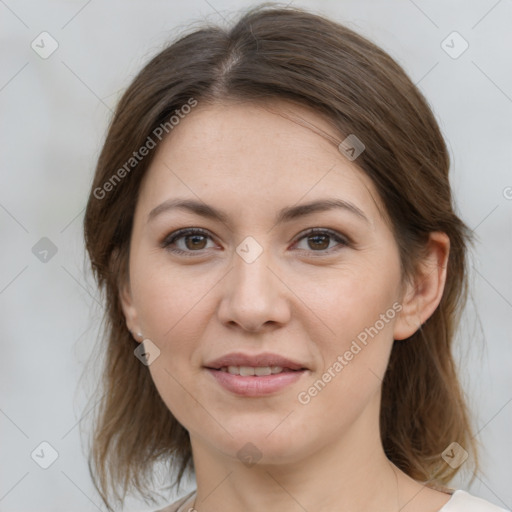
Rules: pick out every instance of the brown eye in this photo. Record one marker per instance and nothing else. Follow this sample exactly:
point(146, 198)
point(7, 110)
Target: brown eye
point(320, 240)
point(195, 242)
point(186, 241)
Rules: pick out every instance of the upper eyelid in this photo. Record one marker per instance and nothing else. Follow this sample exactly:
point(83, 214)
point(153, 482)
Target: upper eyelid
point(181, 233)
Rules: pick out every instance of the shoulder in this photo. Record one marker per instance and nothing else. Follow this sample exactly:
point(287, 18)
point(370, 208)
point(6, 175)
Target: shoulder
point(462, 501)
point(180, 505)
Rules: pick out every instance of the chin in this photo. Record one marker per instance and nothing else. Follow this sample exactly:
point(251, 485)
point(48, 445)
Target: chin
point(262, 443)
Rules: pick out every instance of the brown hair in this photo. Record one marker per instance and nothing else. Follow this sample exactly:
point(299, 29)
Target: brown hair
point(275, 53)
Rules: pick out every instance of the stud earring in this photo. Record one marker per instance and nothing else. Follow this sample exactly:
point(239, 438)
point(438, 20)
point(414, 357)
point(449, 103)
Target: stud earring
point(139, 334)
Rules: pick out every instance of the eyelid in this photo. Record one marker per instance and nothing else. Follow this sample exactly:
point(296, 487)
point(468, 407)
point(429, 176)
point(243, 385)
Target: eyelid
point(179, 233)
point(341, 238)
point(333, 233)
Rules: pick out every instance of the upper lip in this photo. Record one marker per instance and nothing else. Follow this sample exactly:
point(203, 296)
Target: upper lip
point(265, 359)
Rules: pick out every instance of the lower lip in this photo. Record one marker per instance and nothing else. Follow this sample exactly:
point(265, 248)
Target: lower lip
point(256, 386)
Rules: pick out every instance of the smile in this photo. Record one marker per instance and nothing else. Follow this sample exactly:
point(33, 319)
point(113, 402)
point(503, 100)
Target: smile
point(259, 371)
point(255, 381)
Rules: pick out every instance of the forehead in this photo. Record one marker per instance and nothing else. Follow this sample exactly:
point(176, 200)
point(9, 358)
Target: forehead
point(256, 154)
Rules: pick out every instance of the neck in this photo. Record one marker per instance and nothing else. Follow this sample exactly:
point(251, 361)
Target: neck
point(352, 473)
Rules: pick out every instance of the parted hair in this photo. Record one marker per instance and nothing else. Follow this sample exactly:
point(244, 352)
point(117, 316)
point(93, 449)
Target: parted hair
point(270, 53)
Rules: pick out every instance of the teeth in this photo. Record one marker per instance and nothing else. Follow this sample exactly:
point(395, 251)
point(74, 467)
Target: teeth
point(263, 370)
point(246, 371)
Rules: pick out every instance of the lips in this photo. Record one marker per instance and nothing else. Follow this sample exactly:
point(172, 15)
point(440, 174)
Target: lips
point(256, 375)
point(255, 361)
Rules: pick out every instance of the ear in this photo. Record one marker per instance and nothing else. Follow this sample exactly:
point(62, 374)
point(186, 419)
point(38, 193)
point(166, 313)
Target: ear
point(423, 293)
point(129, 310)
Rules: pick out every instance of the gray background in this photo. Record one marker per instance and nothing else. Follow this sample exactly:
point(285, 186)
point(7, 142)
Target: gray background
point(54, 116)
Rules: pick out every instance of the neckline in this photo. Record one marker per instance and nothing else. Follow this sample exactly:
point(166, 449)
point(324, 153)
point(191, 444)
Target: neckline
point(191, 498)
point(450, 501)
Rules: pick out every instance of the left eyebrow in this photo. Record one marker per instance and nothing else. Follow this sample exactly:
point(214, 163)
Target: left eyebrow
point(285, 215)
point(294, 212)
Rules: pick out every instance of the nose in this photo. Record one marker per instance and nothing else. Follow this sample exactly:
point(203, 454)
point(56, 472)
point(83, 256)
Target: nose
point(254, 296)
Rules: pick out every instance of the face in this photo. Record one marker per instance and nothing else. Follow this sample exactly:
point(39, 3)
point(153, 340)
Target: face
point(310, 296)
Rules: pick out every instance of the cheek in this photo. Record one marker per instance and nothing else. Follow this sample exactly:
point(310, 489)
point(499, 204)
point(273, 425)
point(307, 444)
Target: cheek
point(359, 305)
point(173, 307)
point(353, 360)
point(351, 297)
point(172, 311)
point(169, 300)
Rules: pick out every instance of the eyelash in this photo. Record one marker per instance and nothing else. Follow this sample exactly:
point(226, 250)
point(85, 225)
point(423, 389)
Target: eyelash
point(182, 233)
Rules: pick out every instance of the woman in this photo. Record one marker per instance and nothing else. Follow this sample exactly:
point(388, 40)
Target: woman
point(272, 222)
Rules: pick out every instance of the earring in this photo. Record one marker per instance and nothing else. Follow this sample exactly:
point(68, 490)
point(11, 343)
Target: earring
point(139, 334)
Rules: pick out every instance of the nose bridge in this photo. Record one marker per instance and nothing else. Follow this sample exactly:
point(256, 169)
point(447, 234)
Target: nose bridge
point(253, 295)
point(251, 279)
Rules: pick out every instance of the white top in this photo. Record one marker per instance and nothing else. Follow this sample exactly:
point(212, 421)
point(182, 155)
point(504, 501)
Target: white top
point(461, 501)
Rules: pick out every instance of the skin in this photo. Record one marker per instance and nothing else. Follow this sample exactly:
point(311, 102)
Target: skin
point(304, 301)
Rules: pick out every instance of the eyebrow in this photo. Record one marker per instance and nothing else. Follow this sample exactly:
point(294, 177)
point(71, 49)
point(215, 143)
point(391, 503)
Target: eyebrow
point(285, 215)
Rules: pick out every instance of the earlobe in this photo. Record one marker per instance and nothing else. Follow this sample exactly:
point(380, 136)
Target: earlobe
point(129, 310)
point(423, 294)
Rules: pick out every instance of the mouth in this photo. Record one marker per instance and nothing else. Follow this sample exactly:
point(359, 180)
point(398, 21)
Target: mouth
point(255, 371)
point(256, 375)
point(238, 363)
